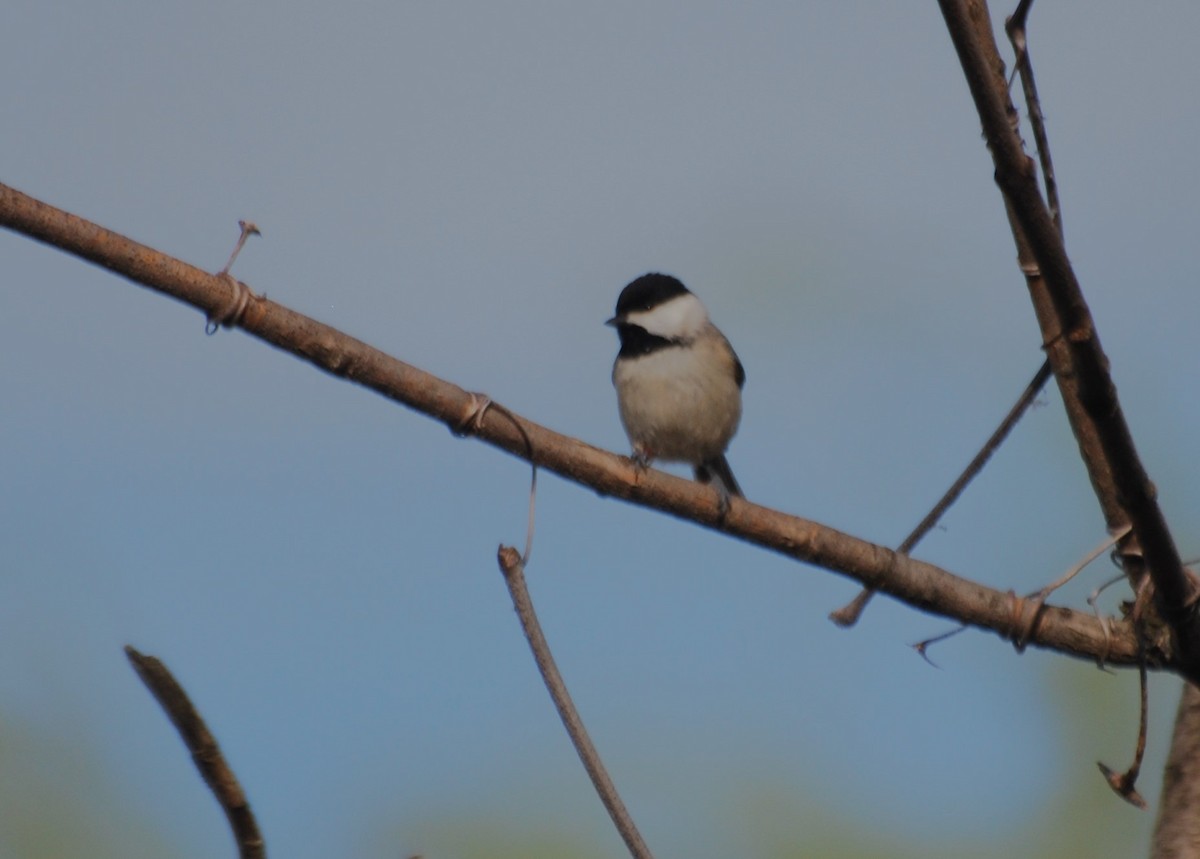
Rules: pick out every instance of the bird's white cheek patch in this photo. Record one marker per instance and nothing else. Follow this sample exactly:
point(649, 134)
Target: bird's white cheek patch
point(681, 317)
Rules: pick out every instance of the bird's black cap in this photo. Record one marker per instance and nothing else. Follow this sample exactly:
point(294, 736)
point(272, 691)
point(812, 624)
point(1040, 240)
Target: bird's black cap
point(649, 290)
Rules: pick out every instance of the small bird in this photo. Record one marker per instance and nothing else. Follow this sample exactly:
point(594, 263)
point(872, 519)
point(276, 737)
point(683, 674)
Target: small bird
point(679, 382)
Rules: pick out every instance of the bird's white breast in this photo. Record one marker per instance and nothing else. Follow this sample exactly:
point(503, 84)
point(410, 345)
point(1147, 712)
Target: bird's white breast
point(680, 403)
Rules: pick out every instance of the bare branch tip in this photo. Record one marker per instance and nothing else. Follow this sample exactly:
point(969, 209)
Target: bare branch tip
point(849, 614)
point(509, 559)
point(922, 648)
point(144, 665)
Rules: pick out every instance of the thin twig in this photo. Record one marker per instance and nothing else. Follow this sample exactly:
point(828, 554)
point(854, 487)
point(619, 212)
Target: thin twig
point(848, 614)
point(922, 647)
point(514, 577)
point(248, 228)
point(1017, 35)
point(1102, 547)
point(206, 754)
point(1022, 634)
point(472, 422)
point(1125, 784)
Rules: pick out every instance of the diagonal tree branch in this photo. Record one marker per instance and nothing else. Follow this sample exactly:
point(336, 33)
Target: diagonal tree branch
point(513, 568)
point(1080, 366)
point(206, 754)
point(848, 614)
point(919, 584)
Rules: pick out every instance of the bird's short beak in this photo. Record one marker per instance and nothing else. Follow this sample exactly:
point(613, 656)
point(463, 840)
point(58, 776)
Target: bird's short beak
point(614, 321)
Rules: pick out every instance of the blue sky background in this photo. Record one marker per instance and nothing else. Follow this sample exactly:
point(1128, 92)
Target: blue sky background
point(468, 187)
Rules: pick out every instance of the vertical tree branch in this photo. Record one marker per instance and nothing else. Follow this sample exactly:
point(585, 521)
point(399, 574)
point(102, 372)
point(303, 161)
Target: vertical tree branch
point(1122, 486)
point(1072, 345)
point(206, 754)
point(1177, 829)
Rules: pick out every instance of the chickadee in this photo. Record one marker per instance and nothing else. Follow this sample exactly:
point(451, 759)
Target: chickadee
point(679, 382)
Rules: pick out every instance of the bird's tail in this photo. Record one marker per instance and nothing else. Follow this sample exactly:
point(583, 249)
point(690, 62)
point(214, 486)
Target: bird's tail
point(718, 469)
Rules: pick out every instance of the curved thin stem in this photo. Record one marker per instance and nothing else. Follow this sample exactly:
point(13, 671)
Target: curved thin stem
point(514, 577)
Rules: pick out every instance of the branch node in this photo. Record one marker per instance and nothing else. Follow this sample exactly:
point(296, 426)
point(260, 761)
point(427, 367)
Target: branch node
point(1023, 622)
point(471, 421)
point(232, 313)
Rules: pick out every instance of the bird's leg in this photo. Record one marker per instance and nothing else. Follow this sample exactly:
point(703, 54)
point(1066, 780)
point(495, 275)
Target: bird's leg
point(722, 500)
point(642, 457)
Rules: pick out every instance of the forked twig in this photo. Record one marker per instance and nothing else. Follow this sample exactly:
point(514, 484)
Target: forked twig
point(848, 614)
point(206, 754)
point(514, 578)
point(1014, 26)
point(922, 647)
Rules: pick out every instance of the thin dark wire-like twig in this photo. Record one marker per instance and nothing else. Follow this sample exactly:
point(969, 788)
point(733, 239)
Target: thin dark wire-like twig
point(1125, 784)
point(206, 754)
point(1014, 26)
point(514, 577)
point(472, 422)
point(922, 647)
point(1029, 619)
point(848, 614)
